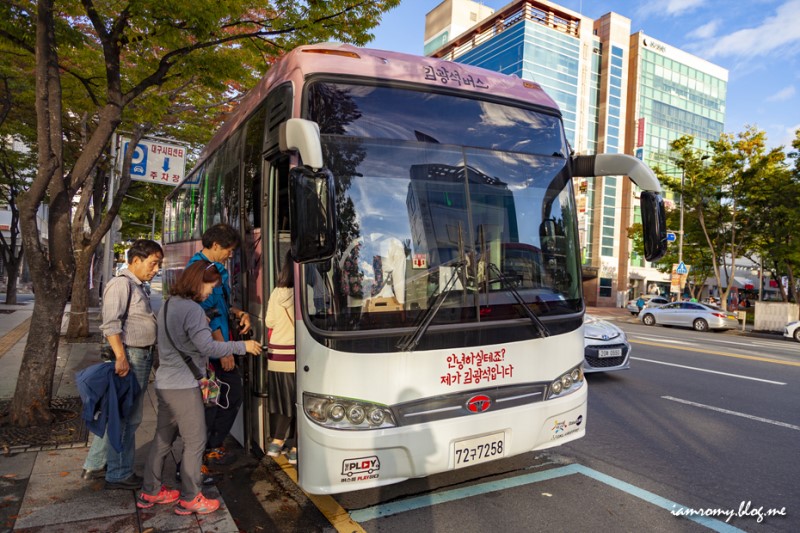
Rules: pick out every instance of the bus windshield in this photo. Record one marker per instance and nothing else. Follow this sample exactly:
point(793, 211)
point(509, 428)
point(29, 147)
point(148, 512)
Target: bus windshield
point(448, 201)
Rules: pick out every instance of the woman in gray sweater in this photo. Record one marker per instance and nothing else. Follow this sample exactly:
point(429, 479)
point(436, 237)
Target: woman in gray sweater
point(180, 402)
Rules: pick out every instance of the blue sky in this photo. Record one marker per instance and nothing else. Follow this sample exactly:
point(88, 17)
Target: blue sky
point(758, 41)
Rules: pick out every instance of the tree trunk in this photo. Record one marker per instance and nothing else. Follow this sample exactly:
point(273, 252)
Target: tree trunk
point(31, 402)
point(78, 316)
point(12, 269)
point(51, 263)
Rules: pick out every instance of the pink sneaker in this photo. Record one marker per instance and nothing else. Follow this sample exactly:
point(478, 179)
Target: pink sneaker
point(199, 505)
point(164, 496)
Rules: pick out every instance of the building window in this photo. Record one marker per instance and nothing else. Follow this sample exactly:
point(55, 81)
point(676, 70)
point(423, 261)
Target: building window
point(605, 287)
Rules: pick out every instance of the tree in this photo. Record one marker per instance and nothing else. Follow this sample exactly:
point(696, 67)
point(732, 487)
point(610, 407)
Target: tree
point(131, 63)
point(17, 160)
point(772, 190)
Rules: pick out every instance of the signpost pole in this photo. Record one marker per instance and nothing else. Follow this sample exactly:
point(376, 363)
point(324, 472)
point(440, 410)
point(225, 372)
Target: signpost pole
point(680, 233)
point(108, 249)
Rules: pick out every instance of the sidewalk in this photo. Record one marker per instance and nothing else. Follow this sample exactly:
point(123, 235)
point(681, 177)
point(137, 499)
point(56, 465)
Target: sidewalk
point(41, 490)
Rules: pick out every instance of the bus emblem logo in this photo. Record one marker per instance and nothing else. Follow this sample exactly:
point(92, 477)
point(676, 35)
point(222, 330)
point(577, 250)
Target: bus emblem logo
point(360, 465)
point(479, 403)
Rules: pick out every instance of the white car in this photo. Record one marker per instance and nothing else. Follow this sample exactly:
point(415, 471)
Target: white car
point(605, 346)
point(792, 331)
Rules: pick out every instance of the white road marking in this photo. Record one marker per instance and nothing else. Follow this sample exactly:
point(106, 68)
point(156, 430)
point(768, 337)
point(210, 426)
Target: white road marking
point(665, 340)
point(734, 413)
point(710, 371)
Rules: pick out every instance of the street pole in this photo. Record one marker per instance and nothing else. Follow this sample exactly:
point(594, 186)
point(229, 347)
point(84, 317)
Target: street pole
point(680, 233)
point(108, 250)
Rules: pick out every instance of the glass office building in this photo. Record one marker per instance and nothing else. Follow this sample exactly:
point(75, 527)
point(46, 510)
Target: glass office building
point(618, 92)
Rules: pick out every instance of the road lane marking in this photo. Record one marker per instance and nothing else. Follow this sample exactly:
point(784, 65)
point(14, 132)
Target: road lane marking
point(710, 371)
point(339, 518)
point(734, 413)
point(665, 340)
point(428, 500)
point(668, 340)
point(724, 354)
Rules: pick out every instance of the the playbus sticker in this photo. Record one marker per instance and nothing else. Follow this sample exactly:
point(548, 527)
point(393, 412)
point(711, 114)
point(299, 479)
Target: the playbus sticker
point(361, 468)
point(452, 77)
point(482, 366)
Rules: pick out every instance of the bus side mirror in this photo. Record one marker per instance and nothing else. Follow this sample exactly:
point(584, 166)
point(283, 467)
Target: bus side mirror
point(303, 136)
point(312, 207)
point(654, 225)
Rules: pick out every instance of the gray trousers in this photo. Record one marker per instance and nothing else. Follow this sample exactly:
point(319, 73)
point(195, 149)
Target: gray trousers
point(179, 411)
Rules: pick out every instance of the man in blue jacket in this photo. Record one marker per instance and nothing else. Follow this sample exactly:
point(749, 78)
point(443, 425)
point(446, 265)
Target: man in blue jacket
point(219, 243)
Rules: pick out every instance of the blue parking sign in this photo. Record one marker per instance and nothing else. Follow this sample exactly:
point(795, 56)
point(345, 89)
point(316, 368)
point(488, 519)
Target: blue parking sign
point(139, 159)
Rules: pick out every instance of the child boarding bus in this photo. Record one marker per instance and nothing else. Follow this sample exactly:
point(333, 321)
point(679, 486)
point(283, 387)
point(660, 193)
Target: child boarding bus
point(430, 214)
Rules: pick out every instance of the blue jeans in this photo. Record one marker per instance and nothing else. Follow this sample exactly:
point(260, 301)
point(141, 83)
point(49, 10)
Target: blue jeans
point(120, 465)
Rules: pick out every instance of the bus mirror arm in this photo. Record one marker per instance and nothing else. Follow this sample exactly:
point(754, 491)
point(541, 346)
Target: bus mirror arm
point(654, 222)
point(303, 136)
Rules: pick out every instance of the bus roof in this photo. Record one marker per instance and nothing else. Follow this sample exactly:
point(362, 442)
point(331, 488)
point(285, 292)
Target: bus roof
point(341, 59)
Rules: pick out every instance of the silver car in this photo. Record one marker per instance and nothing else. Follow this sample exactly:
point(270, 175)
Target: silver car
point(605, 347)
point(695, 315)
point(650, 300)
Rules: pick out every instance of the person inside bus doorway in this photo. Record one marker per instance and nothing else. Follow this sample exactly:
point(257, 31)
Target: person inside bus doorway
point(219, 242)
point(281, 382)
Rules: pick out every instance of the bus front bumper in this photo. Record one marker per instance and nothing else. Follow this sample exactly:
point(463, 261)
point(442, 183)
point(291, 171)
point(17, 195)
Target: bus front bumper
point(333, 461)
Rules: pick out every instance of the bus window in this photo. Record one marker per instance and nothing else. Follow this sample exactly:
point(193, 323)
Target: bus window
point(252, 245)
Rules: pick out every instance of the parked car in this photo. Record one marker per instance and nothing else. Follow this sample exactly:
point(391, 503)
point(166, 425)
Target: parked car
point(605, 346)
point(792, 330)
point(699, 316)
point(650, 300)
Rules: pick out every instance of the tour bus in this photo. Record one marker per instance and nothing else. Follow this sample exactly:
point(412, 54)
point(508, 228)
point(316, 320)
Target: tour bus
point(429, 213)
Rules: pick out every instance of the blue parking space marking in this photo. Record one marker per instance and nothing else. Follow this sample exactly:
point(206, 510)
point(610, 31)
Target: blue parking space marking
point(428, 500)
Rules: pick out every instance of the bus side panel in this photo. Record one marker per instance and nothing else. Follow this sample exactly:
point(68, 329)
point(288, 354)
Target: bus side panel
point(354, 460)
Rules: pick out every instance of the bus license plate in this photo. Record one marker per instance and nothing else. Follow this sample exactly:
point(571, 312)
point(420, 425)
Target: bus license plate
point(614, 352)
point(469, 452)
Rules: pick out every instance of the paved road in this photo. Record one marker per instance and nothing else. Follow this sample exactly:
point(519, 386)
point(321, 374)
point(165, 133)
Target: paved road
point(706, 419)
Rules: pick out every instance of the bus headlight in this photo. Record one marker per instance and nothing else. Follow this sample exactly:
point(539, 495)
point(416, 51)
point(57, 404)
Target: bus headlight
point(356, 414)
point(344, 413)
point(567, 383)
point(336, 412)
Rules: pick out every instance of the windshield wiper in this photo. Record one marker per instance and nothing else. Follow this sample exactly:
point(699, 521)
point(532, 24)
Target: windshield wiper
point(409, 342)
point(537, 323)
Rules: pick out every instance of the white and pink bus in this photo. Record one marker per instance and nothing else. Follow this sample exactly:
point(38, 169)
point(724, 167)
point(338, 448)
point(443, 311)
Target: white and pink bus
point(430, 214)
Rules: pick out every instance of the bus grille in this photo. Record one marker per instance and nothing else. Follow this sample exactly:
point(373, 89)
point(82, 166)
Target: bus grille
point(456, 405)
